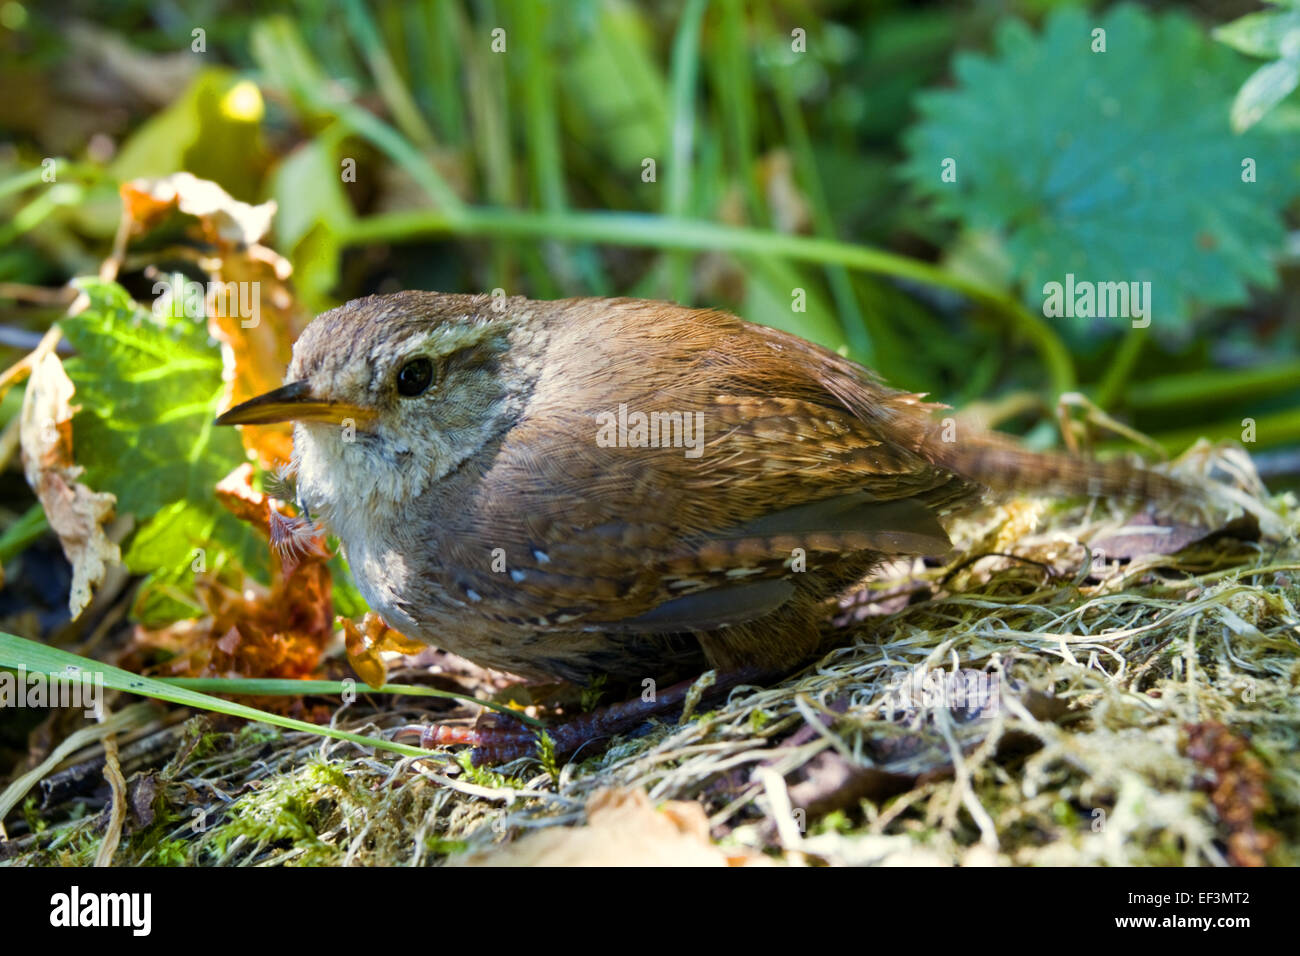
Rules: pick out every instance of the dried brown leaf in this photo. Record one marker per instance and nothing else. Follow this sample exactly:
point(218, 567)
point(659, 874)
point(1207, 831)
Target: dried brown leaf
point(249, 302)
point(251, 631)
point(623, 829)
point(75, 512)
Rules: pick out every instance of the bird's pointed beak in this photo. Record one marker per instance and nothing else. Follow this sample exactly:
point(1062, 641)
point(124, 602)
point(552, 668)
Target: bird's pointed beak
point(295, 402)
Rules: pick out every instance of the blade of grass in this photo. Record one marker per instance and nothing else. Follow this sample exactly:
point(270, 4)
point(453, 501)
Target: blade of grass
point(280, 52)
point(546, 160)
point(736, 99)
point(387, 78)
point(638, 229)
point(1121, 367)
point(490, 127)
point(17, 652)
point(44, 205)
point(284, 687)
point(1280, 428)
point(851, 318)
point(1213, 386)
point(23, 532)
point(684, 72)
point(64, 170)
point(447, 66)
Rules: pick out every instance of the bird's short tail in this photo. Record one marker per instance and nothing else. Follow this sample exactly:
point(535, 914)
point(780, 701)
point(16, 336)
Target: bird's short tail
point(1002, 466)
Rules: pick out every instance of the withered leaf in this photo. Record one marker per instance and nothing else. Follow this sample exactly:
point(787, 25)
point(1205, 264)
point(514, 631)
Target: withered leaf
point(623, 829)
point(75, 512)
point(1144, 536)
point(250, 307)
point(252, 631)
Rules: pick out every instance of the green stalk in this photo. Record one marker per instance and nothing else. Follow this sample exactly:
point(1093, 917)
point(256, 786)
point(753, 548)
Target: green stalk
point(1279, 428)
point(1214, 386)
point(36, 658)
point(736, 99)
point(851, 319)
point(386, 75)
point(1121, 367)
point(639, 229)
point(446, 65)
point(22, 533)
point(280, 51)
point(542, 127)
point(685, 71)
point(285, 687)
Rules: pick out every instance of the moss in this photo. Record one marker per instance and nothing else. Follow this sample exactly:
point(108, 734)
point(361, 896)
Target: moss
point(35, 822)
point(438, 846)
point(486, 776)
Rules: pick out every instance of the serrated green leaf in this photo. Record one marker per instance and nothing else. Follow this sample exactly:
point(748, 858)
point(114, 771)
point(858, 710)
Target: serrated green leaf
point(1114, 166)
point(148, 389)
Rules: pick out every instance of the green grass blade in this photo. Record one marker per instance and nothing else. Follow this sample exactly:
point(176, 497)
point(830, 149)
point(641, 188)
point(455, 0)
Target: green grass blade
point(388, 78)
point(680, 174)
point(16, 652)
point(285, 687)
point(638, 229)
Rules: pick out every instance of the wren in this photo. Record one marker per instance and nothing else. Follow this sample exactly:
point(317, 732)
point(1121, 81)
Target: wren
point(621, 487)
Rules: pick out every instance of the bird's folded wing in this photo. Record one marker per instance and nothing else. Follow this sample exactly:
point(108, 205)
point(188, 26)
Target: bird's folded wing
point(744, 573)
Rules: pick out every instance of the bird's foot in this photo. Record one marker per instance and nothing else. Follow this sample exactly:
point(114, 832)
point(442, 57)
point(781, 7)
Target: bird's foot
point(497, 738)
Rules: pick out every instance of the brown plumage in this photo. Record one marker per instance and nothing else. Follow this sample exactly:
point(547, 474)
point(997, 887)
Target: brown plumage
point(487, 512)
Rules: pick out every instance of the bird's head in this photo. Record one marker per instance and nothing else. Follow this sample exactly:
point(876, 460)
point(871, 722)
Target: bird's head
point(389, 394)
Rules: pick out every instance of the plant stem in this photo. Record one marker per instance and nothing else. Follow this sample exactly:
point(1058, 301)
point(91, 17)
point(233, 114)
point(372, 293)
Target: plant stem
point(1213, 386)
point(1121, 367)
point(640, 229)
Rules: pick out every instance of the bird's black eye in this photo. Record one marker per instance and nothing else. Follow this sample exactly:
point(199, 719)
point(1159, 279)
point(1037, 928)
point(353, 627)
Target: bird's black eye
point(414, 377)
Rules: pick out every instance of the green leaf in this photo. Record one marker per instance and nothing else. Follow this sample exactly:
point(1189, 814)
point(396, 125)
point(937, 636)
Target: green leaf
point(207, 131)
point(1266, 88)
point(1260, 34)
point(312, 210)
point(183, 538)
point(148, 389)
point(1116, 166)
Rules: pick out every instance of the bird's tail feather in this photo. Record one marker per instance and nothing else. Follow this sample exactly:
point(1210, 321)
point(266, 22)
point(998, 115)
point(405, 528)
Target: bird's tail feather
point(1002, 466)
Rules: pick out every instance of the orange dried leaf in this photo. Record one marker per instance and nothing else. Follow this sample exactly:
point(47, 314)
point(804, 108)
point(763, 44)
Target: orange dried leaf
point(386, 638)
point(253, 631)
point(236, 494)
point(225, 220)
point(363, 655)
point(249, 302)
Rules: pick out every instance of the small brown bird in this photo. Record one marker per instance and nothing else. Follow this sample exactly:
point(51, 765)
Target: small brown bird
point(617, 486)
